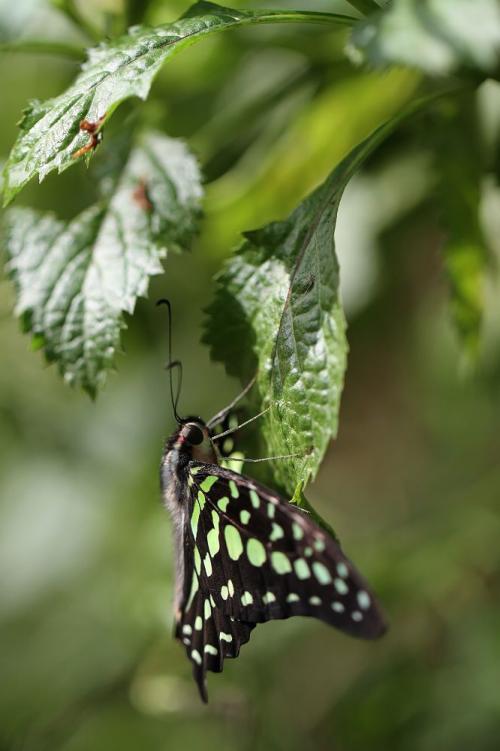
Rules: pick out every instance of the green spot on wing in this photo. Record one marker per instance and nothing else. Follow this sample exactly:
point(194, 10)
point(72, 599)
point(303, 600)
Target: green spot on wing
point(319, 544)
point(256, 552)
point(208, 482)
point(195, 516)
point(207, 564)
point(280, 563)
point(194, 589)
point(222, 503)
point(364, 600)
point(341, 586)
point(321, 572)
point(254, 498)
point(246, 598)
point(234, 489)
point(301, 568)
point(215, 519)
point(233, 542)
point(276, 533)
point(213, 542)
point(342, 570)
point(196, 656)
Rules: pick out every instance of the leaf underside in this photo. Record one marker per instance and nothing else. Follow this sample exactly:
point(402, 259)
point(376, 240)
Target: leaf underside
point(277, 311)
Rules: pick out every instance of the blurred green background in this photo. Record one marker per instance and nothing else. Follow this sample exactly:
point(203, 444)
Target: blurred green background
point(411, 485)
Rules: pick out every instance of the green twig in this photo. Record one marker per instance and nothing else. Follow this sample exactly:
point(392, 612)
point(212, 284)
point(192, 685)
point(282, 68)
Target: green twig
point(297, 16)
point(71, 12)
point(45, 47)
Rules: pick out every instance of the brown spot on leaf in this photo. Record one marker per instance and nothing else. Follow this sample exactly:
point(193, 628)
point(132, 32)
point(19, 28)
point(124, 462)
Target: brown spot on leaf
point(95, 136)
point(141, 197)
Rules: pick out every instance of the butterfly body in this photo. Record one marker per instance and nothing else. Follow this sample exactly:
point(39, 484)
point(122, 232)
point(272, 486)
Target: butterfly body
point(245, 556)
point(179, 451)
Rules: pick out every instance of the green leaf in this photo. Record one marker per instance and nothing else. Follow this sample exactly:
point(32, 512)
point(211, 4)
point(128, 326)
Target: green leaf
point(277, 311)
point(75, 279)
point(436, 36)
point(457, 147)
point(51, 134)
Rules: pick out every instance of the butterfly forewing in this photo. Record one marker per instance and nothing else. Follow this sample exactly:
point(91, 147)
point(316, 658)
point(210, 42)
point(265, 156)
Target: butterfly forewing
point(256, 558)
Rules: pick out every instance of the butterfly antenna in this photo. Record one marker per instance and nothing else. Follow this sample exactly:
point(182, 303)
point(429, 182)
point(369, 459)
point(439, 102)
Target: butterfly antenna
point(172, 363)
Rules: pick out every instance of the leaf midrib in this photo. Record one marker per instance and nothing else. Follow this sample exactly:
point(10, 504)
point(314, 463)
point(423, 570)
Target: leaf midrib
point(277, 17)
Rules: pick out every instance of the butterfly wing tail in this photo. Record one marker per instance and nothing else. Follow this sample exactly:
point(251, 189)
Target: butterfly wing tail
point(209, 636)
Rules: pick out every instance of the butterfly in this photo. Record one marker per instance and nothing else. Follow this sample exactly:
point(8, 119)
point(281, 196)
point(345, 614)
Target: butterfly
point(245, 555)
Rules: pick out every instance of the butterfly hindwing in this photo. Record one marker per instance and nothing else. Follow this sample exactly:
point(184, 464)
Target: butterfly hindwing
point(228, 423)
point(209, 635)
point(260, 558)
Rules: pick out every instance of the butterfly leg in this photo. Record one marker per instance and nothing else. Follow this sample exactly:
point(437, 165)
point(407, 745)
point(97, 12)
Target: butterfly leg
point(223, 412)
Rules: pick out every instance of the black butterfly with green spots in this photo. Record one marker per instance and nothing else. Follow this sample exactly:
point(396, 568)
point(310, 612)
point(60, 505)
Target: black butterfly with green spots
point(245, 556)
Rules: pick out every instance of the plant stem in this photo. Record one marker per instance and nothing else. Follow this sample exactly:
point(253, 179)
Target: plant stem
point(70, 10)
point(297, 16)
point(45, 47)
point(365, 6)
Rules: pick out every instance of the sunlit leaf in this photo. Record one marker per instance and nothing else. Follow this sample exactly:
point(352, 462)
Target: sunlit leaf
point(55, 133)
point(75, 279)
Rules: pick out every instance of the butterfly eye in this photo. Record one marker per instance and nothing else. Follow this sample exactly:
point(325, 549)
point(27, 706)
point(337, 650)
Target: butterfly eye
point(194, 435)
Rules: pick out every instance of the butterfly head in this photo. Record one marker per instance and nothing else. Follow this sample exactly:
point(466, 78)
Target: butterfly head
point(193, 437)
